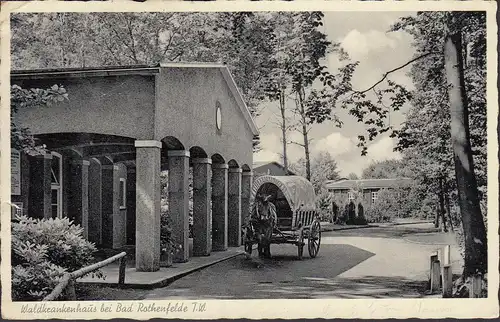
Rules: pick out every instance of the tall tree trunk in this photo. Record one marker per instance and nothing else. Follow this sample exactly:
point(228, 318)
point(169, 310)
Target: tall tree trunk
point(476, 259)
point(441, 204)
point(283, 129)
point(304, 132)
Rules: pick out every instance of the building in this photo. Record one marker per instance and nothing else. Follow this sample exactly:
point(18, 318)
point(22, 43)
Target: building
point(108, 143)
point(345, 188)
point(271, 168)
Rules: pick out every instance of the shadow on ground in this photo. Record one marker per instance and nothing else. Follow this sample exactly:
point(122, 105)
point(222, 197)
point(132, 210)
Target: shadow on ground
point(397, 231)
point(283, 276)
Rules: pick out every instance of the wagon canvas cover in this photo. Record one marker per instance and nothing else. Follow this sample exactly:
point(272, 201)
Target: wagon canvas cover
point(297, 190)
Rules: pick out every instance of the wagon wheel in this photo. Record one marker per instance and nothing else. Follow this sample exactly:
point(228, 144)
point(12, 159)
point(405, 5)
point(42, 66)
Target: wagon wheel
point(300, 243)
point(314, 240)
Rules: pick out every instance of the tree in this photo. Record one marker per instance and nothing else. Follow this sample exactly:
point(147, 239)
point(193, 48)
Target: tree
point(352, 176)
point(323, 168)
point(385, 169)
point(312, 45)
point(476, 258)
point(438, 40)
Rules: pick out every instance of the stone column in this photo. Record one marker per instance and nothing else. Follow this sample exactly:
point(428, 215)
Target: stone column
point(219, 207)
point(108, 203)
point(178, 201)
point(234, 207)
point(95, 202)
point(202, 212)
point(246, 191)
point(147, 238)
point(40, 190)
point(79, 194)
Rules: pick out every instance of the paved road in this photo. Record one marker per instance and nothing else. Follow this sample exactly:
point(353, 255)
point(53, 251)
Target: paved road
point(377, 262)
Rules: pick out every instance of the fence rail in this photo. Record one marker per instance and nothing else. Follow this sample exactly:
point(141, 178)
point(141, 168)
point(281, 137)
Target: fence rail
point(67, 283)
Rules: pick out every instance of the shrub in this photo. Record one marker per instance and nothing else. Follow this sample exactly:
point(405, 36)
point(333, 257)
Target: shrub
point(42, 251)
point(360, 217)
point(167, 244)
point(384, 209)
point(324, 206)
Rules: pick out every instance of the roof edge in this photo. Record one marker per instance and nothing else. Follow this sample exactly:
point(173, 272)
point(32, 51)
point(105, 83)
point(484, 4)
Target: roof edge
point(239, 99)
point(84, 72)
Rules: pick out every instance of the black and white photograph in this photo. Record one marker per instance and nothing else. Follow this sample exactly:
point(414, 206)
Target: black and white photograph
point(164, 163)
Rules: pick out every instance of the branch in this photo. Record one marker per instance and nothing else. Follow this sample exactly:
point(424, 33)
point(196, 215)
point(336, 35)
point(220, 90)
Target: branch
point(297, 143)
point(395, 69)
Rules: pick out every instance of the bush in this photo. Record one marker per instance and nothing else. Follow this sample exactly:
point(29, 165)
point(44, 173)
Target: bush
point(384, 209)
point(42, 251)
point(324, 206)
point(167, 244)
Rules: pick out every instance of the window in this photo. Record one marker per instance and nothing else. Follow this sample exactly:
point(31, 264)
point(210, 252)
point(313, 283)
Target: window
point(56, 185)
point(350, 196)
point(123, 193)
point(374, 196)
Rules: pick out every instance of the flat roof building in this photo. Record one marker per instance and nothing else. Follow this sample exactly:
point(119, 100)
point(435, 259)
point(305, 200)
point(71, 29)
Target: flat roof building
point(119, 129)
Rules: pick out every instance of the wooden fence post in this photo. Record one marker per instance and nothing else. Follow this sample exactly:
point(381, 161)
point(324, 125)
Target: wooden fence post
point(435, 272)
point(446, 255)
point(121, 273)
point(447, 281)
point(476, 286)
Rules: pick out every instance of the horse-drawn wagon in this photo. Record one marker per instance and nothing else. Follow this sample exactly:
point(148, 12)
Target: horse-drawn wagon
point(282, 212)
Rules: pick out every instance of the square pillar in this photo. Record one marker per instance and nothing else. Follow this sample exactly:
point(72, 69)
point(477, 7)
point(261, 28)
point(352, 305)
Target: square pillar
point(234, 207)
point(95, 202)
point(219, 206)
point(202, 212)
point(147, 235)
point(109, 202)
point(40, 187)
point(178, 202)
point(246, 191)
point(79, 194)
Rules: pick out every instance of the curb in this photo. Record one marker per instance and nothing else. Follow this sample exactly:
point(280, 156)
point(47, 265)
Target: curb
point(163, 281)
point(412, 223)
point(347, 228)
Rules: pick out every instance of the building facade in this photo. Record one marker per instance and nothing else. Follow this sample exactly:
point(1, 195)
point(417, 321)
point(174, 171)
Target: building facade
point(109, 142)
point(369, 188)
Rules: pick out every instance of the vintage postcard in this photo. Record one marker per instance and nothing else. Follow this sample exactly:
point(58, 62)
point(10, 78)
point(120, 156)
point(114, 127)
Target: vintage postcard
point(308, 159)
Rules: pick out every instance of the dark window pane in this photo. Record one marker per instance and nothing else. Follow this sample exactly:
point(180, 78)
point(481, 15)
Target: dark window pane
point(54, 211)
point(54, 196)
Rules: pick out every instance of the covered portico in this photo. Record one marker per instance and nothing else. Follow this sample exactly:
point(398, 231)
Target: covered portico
point(110, 141)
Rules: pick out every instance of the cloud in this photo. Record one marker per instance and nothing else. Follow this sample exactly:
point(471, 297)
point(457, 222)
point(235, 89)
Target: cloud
point(266, 155)
point(353, 162)
point(383, 150)
point(335, 143)
point(359, 45)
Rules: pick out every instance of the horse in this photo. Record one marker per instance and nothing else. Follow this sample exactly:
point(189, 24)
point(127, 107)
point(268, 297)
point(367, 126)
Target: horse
point(264, 220)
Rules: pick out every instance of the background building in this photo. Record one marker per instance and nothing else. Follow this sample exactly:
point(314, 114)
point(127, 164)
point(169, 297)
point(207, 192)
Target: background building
point(271, 168)
point(345, 188)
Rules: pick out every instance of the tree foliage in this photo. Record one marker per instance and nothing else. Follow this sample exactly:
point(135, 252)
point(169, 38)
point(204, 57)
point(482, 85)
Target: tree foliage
point(323, 168)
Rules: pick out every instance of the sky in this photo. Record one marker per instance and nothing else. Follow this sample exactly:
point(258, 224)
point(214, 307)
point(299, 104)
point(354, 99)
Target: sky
point(365, 38)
